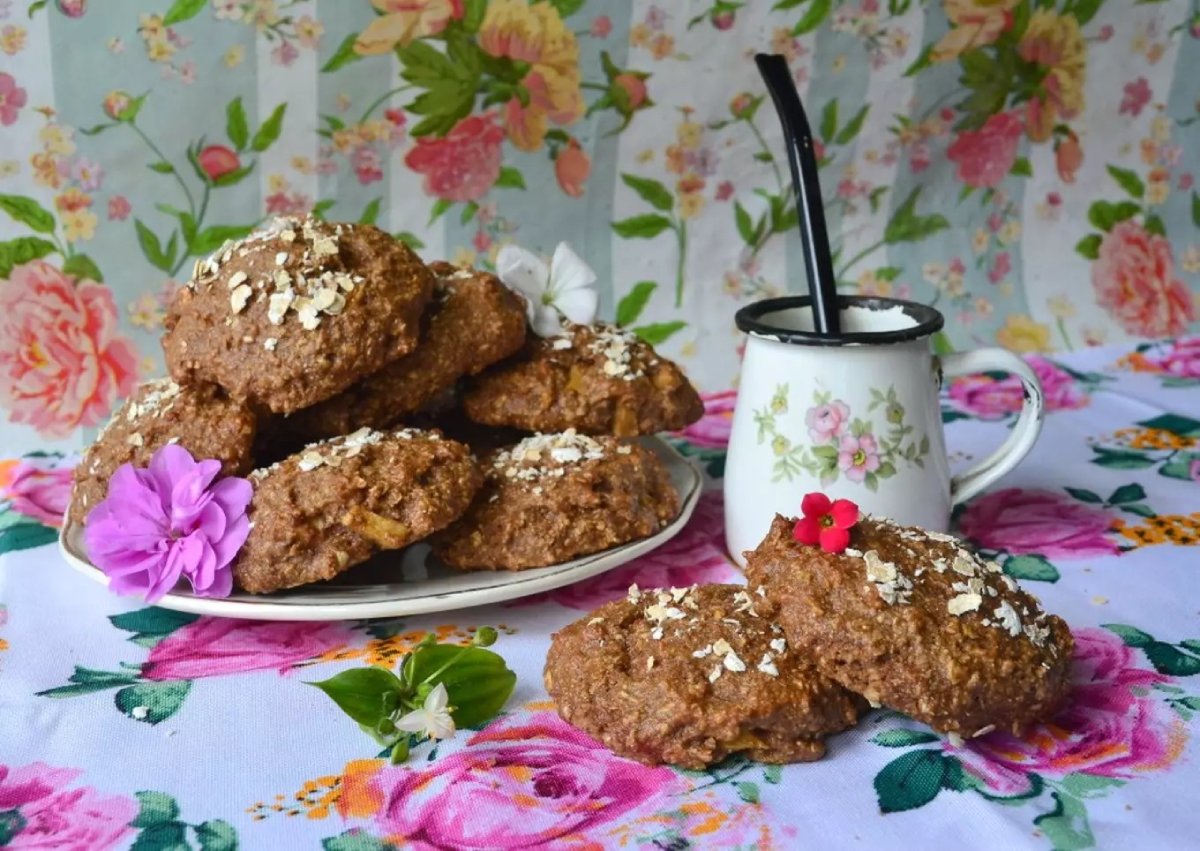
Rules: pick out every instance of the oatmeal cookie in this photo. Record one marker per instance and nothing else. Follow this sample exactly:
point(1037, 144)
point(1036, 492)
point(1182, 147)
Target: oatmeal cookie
point(472, 322)
point(687, 676)
point(913, 621)
point(201, 419)
point(297, 312)
point(336, 503)
point(552, 498)
point(596, 379)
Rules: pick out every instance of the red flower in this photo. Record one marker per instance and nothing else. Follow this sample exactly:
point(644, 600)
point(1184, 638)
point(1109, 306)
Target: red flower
point(984, 156)
point(826, 522)
point(463, 165)
point(218, 161)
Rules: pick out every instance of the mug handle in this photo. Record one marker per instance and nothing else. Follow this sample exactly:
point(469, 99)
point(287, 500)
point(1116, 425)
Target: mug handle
point(1024, 433)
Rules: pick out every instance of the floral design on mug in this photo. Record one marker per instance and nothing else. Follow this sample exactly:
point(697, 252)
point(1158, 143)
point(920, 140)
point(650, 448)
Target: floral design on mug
point(840, 444)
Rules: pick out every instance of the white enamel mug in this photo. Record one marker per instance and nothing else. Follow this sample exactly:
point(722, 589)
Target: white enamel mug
point(857, 417)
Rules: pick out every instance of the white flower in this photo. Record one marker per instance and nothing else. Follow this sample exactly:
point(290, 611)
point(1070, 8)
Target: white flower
point(433, 719)
point(563, 290)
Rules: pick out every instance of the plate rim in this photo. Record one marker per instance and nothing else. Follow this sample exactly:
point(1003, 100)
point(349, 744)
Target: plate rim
point(522, 584)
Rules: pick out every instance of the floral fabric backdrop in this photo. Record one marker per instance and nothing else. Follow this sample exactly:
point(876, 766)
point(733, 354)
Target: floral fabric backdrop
point(1026, 165)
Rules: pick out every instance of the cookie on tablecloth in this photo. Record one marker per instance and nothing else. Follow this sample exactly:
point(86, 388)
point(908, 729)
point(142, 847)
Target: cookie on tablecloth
point(336, 503)
point(201, 419)
point(596, 379)
point(687, 676)
point(554, 497)
point(297, 312)
point(912, 620)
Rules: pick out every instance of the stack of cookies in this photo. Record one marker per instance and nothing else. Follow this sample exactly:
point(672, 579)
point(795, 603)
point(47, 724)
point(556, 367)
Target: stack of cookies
point(901, 618)
point(375, 401)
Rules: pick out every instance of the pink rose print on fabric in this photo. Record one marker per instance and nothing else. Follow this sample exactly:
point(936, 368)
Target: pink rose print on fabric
point(1137, 95)
point(531, 783)
point(465, 164)
point(39, 492)
point(63, 360)
point(986, 155)
point(711, 431)
point(827, 422)
point(1054, 525)
point(1113, 725)
point(1134, 279)
point(212, 647)
point(49, 815)
point(1182, 358)
point(12, 98)
point(992, 398)
point(694, 556)
point(858, 456)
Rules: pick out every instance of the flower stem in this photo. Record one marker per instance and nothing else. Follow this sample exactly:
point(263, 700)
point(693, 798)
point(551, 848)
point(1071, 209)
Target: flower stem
point(1062, 329)
point(681, 233)
point(859, 256)
point(375, 104)
point(766, 149)
point(163, 158)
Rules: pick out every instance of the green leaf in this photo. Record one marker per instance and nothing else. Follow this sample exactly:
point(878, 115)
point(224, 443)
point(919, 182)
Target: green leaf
point(853, 126)
point(510, 178)
point(745, 225)
point(1066, 826)
point(181, 10)
point(1082, 785)
point(657, 333)
point(170, 836)
point(343, 56)
point(1174, 423)
point(1021, 167)
point(161, 167)
point(907, 226)
point(650, 191)
point(235, 176)
point(1180, 467)
point(270, 129)
point(468, 212)
point(942, 344)
point(322, 207)
point(216, 835)
point(478, 682)
point(22, 250)
point(829, 119)
point(161, 700)
point(440, 206)
point(154, 808)
point(1089, 246)
point(772, 774)
point(151, 247)
point(1127, 493)
point(886, 470)
point(825, 451)
point(26, 536)
point(1196, 209)
point(902, 738)
point(1117, 459)
point(1128, 180)
point(235, 124)
point(360, 692)
point(152, 621)
point(910, 781)
point(11, 823)
point(1190, 644)
point(748, 792)
point(1140, 509)
point(816, 14)
point(356, 839)
point(646, 226)
point(1033, 567)
point(212, 238)
point(473, 12)
point(370, 213)
point(634, 302)
point(1104, 214)
point(1084, 11)
point(1169, 660)
point(1084, 495)
point(28, 212)
point(1131, 635)
point(411, 240)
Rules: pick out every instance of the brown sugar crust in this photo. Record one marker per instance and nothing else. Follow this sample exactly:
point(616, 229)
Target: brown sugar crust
point(297, 312)
point(553, 498)
point(689, 676)
point(912, 621)
point(337, 503)
point(201, 419)
point(595, 379)
point(472, 322)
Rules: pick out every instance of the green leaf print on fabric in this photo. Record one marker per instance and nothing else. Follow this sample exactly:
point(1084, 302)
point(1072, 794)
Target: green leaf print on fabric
point(1132, 636)
point(748, 792)
point(645, 226)
point(216, 835)
point(236, 126)
point(631, 306)
point(356, 840)
point(344, 55)
point(270, 129)
point(902, 738)
point(152, 703)
point(658, 332)
point(155, 808)
point(651, 191)
point(152, 625)
point(907, 226)
point(181, 10)
point(911, 780)
point(1067, 824)
point(1031, 567)
point(26, 536)
point(168, 836)
point(28, 212)
point(11, 823)
point(82, 266)
point(22, 250)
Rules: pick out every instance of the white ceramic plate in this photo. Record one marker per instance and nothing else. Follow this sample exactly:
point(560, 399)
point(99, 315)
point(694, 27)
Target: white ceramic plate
point(371, 590)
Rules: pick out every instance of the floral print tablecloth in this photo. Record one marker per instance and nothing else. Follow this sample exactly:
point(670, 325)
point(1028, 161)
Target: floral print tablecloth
point(134, 727)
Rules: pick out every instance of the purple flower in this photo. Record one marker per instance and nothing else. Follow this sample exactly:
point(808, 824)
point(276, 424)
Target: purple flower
point(169, 520)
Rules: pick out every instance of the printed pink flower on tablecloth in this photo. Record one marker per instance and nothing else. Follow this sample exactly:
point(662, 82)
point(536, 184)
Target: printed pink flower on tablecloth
point(1136, 95)
point(1134, 279)
point(996, 398)
point(53, 816)
point(42, 493)
point(986, 155)
point(118, 208)
point(465, 164)
point(1037, 521)
point(63, 360)
point(1181, 359)
point(517, 784)
point(827, 422)
point(858, 456)
point(1112, 725)
point(211, 647)
point(695, 556)
point(711, 431)
point(12, 98)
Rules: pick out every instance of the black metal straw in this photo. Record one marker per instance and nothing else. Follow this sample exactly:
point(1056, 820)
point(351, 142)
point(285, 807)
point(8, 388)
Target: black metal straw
point(802, 157)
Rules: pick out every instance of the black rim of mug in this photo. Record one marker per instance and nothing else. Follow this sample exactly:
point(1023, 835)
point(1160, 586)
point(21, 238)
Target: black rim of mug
point(755, 319)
